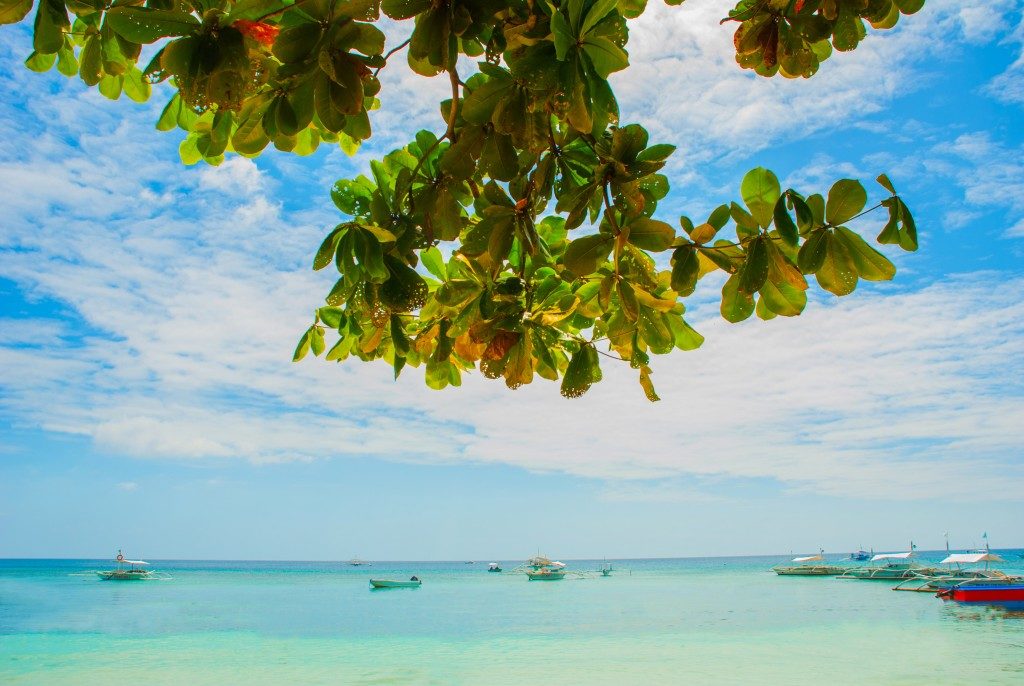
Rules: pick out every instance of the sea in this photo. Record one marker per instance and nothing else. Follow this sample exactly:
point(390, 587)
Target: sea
point(722, 620)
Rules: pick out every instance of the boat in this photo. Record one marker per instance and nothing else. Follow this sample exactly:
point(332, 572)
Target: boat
point(127, 570)
point(356, 562)
point(891, 567)
point(956, 573)
point(414, 582)
point(542, 562)
point(541, 568)
point(606, 569)
point(812, 565)
point(986, 591)
point(494, 567)
point(546, 574)
point(861, 555)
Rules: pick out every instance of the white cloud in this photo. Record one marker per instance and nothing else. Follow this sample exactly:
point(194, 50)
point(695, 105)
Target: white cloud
point(1009, 86)
point(127, 486)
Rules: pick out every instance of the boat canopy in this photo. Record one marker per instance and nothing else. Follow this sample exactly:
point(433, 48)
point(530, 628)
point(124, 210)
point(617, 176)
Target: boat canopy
point(971, 558)
point(893, 556)
point(133, 562)
point(810, 558)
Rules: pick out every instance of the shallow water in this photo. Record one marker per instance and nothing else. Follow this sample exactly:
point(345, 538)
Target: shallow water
point(726, 620)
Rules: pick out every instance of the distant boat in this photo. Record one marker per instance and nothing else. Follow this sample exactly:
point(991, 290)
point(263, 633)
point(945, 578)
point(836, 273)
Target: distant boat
point(470, 562)
point(606, 569)
point(387, 583)
point(356, 562)
point(812, 565)
point(493, 567)
point(127, 570)
point(861, 555)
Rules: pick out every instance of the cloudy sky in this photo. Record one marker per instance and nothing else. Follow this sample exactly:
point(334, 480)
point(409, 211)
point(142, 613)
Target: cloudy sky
point(148, 312)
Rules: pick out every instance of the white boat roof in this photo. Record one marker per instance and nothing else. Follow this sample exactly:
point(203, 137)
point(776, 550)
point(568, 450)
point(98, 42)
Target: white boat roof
point(133, 562)
point(972, 558)
point(893, 556)
point(810, 558)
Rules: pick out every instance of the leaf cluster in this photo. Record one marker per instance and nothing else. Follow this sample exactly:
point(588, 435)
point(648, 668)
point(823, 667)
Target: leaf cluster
point(521, 240)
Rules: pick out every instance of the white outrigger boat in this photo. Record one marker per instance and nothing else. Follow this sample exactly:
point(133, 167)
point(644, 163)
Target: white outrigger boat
point(541, 568)
point(127, 570)
point(812, 565)
point(957, 573)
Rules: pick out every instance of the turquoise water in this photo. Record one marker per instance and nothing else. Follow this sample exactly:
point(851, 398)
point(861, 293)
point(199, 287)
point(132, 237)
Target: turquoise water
point(721, 620)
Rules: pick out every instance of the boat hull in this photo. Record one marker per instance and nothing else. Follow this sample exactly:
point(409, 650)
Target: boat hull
point(384, 583)
point(545, 576)
point(124, 576)
point(986, 594)
point(816, 570)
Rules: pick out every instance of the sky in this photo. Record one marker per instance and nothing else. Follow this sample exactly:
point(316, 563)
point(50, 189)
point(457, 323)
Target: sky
point(148, 313)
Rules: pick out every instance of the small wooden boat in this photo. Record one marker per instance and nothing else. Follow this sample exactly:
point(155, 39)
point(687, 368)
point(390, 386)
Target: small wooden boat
point(494, 567)
point(812, 565)
point(127, 570)
point(861, 555)
point(388, 583)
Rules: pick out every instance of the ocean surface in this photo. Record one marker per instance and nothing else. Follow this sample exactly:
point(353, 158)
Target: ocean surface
point(693, 621)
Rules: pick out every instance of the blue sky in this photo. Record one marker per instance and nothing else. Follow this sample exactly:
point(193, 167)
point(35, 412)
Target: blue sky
point(148, 312)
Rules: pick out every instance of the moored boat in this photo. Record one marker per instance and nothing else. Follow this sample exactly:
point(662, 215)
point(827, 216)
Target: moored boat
point(957, 573)
point(127, 570)
point(546, 574)
point(861, 555)
point(414, 582)
point(812, 565)
point(986, 591)
point(892, 567)
point(494, 567)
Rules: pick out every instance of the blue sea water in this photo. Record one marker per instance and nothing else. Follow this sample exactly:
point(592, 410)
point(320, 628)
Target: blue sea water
point(701, 620)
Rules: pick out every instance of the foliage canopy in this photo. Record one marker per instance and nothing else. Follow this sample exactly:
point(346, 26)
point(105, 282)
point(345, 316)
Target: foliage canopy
point(523, 235)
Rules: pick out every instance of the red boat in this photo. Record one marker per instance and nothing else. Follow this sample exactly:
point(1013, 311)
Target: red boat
point(985, 593)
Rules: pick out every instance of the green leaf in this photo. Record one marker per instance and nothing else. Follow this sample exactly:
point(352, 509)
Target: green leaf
point(584, 254)
point(846, 199)
point(761, 191)
point(784, 223)
point(651, 234)
point(146, 25)
point(754, 271)
point(13, 11)
point(303, 347)
point(580, 374)
point(40, 62)
point(50, 24)
point(871, 264)
point(685, 270)
point(736, 305)
point(782, 298)
point(404, 9)
point(812, 252)
point(316, 341)
point(605, 55)
point(885, 183)
point(434, 262)
point(836, 273)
